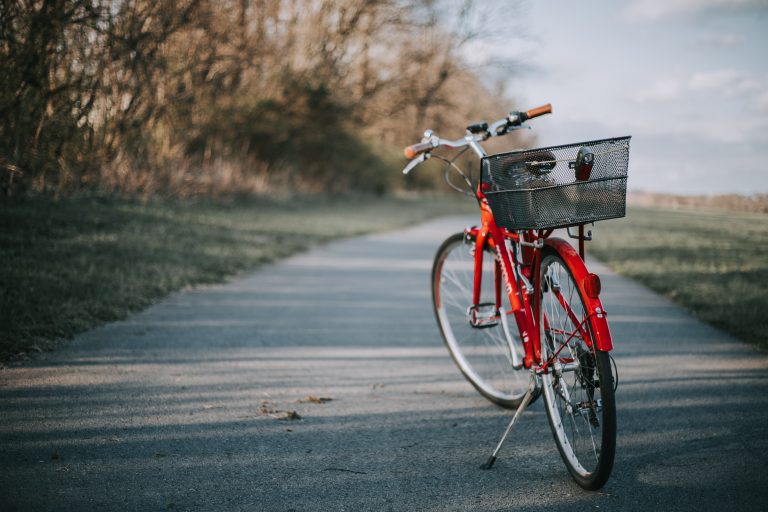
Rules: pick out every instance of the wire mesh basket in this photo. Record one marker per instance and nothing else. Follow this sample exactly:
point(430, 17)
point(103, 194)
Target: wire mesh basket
point(558, 186)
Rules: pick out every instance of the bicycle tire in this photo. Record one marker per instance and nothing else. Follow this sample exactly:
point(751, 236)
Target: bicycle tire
point(579, 390)
point(482, 354)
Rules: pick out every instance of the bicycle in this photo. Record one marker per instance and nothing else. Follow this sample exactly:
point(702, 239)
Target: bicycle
point(511, 266)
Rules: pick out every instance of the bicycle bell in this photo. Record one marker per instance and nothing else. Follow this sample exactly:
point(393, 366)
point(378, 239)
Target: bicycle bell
point(585, 160)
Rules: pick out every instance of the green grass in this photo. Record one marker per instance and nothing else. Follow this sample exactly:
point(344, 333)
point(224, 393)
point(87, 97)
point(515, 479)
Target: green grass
point(715, 263)
point(70, 265)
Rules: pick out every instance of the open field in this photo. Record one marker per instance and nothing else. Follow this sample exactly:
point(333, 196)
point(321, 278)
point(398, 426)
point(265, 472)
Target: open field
point(755, 203)
point(73, 264)
point(715, 263)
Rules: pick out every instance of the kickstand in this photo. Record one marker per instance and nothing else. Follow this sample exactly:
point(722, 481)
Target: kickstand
point(533, 388)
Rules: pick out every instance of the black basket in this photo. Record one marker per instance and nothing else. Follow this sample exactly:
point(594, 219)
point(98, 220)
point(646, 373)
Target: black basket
point(539, 188)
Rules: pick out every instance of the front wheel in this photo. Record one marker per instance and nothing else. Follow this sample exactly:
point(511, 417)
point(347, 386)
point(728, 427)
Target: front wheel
point(579, 387)
point(478, 336)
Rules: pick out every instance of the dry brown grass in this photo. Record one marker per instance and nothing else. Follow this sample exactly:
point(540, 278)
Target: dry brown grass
point(756, 203)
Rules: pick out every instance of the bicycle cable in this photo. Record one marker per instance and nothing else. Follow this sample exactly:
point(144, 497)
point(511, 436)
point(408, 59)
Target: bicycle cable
point(446, 173)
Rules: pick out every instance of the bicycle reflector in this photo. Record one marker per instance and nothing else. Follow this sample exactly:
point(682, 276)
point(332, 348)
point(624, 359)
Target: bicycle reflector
point(585, 160)
point(592, 285)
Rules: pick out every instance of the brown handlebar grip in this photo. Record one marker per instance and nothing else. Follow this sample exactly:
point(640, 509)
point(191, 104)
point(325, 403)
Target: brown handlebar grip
point(412, 151)
point(539, 111)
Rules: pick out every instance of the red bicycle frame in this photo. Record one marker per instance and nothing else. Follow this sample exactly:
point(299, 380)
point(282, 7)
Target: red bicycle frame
point(525, 269)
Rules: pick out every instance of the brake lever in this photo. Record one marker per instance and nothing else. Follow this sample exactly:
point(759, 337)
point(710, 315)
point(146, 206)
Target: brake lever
point(506, 125)
point(416, 161)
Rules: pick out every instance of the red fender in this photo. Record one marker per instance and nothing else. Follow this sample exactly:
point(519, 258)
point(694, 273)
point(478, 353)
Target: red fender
point(595, 309)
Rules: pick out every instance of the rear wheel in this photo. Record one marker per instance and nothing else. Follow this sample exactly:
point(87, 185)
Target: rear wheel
point(579, 388)
point(479, 337)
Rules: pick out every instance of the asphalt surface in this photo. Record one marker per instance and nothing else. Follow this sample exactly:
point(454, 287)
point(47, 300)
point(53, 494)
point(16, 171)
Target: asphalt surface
point(193, 404)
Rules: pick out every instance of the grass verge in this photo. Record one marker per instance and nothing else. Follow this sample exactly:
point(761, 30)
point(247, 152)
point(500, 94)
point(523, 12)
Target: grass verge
point(73, 264)
point(715, 263)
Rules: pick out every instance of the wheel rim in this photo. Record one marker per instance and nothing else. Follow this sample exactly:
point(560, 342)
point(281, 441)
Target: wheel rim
point(482, 354)
point(572, 394)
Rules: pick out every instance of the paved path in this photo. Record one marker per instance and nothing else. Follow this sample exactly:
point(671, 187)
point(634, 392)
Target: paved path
point(186, 406)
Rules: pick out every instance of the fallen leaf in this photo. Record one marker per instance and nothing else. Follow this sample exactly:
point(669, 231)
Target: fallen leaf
point(288, 415)
point(267, 408)
point(312, 399)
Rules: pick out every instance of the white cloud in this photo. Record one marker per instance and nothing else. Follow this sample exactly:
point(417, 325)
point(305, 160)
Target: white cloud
point(652, 10)
point(724, 81)
point(762, 102)
point(663, 89)
point(720, 82)
point(722, 40)
point(719, 130)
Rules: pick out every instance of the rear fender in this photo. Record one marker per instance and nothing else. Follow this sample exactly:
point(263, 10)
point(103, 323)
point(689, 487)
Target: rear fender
point(595, 310)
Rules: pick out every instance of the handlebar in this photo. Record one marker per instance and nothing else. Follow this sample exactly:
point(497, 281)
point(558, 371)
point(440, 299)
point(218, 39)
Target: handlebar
point(536, 112)
point(417, 149)
point(501, 127)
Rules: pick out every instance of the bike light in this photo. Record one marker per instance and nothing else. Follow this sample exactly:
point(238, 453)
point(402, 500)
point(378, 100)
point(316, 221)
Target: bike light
point(592, 285)
point(585, 160)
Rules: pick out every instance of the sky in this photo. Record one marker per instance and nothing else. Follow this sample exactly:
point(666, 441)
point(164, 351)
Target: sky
point(688, 79)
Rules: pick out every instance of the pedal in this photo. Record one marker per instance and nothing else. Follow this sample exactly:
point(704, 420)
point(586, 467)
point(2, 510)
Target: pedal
point(483, 316)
